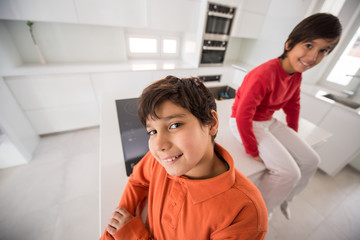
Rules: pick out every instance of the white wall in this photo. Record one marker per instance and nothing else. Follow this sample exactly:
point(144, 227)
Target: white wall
point(281, 18)
point(16, 127)
point(9, 56)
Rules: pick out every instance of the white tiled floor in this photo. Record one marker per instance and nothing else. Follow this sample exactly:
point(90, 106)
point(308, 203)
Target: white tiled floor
point(55, 196)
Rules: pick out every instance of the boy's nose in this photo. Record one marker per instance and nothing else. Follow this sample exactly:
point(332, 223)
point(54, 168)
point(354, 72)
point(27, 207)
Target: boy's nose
point(162, 142)
point(313, 56)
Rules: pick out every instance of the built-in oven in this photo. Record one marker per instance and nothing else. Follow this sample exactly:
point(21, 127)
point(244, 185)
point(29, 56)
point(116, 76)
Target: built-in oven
point(218, 22)
point(213, 53)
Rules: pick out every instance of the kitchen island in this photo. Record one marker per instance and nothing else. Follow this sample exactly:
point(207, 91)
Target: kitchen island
point(113, 176)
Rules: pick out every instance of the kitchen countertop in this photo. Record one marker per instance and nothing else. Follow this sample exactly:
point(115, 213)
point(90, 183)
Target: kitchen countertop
point(112, 166)
point(318, 91)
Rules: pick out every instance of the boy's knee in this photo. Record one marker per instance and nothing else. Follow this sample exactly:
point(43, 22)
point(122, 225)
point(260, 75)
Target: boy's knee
point(291, 175)
point(312, 163)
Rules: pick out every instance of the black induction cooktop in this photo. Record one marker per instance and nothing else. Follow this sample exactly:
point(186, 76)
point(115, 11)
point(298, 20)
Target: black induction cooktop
point(134, 137)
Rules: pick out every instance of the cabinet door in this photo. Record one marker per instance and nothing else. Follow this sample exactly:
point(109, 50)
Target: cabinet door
point(38, 10)
point(46, 91)
point(112, 12)
point(247, 25)
point(174, 15)
point(343, 146)
point(250, 18)
point(127, 84)
point(64, 118)
point(313, 109)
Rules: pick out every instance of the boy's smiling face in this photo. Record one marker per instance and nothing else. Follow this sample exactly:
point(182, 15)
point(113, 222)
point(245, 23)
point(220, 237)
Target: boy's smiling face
point(306, 55)
point(180, 143)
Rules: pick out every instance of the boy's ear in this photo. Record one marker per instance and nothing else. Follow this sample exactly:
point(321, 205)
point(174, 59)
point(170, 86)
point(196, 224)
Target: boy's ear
point(287, 45)
point(215, 124)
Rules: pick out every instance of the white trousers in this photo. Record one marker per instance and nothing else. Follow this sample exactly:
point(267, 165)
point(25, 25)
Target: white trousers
point(289, 160)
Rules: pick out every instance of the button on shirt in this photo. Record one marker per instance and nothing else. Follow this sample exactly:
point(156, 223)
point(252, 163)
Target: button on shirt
point(227, 206)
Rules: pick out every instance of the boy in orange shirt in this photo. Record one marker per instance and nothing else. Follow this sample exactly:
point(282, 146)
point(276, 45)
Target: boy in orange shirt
point(190, 182)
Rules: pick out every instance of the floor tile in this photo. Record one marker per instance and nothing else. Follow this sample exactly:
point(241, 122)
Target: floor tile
point(304, 220)
point(323, 194)
point(346, 218)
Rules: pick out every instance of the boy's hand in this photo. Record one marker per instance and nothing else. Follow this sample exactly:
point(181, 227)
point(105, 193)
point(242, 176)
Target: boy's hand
point(258, 158)
point(120, 217)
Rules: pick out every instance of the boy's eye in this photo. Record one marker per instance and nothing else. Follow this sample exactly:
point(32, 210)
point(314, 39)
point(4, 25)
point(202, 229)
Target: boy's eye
point(175, 125)
point(308, 45)
point(324, 51)
point(152, 132)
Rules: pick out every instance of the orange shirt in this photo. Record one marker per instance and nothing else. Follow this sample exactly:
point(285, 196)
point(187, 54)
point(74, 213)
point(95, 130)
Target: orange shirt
point(227, 206)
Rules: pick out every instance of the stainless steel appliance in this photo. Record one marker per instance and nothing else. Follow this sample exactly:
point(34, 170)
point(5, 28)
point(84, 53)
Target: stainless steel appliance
point(213, 52)
point(219, 20)
point(134, 137)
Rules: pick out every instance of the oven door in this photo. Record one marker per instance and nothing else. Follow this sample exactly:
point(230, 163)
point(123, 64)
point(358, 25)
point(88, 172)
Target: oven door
point(218, 25)
point(210, 57)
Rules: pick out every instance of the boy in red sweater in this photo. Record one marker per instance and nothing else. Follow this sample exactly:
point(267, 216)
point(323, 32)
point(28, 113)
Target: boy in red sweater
point(275, 85)
point(190, 183)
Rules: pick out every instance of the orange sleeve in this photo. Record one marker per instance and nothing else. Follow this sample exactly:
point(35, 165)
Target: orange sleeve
point(251, 224)
point(134, 229)
point(135, 193)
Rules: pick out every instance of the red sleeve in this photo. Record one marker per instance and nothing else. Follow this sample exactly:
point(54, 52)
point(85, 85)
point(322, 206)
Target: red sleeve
point(251, 94)
point(135, 193)
point(292, 111)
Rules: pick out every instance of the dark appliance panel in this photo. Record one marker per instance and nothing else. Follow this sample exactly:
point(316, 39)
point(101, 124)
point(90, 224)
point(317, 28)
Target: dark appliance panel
point(134, 137)
point(213, 52)
point(219, 20)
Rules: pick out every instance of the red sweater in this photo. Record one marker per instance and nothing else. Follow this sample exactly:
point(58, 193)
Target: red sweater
point(227, 206)
point(265, 89)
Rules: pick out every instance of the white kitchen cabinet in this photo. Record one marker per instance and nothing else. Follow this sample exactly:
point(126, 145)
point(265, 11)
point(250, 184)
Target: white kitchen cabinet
point(239, 75)
point(313, 109)
point(55, 103)
point(174, 15)
point(64, 118)
point(46, 91)
point(247, 25)
point(344, 145)
point(249, 18)
point(127, 84)
point(112, 12)
point(39, 10)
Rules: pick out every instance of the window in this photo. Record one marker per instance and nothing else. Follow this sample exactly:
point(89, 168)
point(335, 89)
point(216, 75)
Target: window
point(143, 45)
point(153, 46)
point(348, 64)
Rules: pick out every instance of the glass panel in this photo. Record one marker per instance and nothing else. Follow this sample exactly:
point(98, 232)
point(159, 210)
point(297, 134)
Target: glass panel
point(348, 64)
point(143, 45)
point(169, 46)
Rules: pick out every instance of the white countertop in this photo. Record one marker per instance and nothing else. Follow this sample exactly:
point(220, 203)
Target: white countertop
point(318, 91)
point(67, 68)
point(112, 166)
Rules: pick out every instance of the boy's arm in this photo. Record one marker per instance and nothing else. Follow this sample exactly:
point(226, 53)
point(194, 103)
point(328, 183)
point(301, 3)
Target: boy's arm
point(253, 92)
point(250, 223)
point(134, 229)
point(292, 111)
point(135, 193)
point(249, 227)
